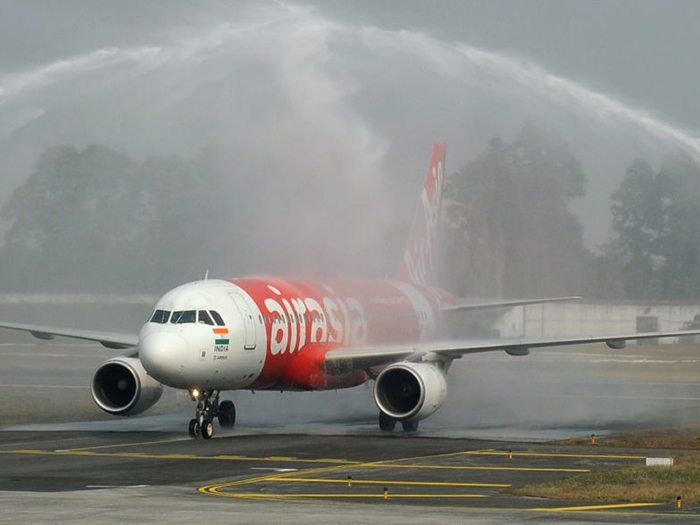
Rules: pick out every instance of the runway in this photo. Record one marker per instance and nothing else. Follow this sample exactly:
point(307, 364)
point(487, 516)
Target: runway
point(290, 456)
point(363, 477)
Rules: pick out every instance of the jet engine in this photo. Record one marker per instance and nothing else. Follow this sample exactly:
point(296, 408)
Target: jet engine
point(122, 387)
point(410, 390)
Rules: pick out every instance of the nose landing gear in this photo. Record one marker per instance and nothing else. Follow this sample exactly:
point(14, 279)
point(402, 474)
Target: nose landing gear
point(208, 408)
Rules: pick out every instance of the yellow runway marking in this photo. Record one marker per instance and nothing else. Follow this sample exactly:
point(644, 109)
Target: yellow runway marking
point(344, 495)
point(144, 455)
point(472, 467)
point(121, 445)
point(216, 488)
point(596, 507)
point(549, 454)
point(339, 462)
point(390, 482)
point(179, 456)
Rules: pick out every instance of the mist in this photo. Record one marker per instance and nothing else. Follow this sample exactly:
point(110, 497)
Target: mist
point(290, 96)
point(321, 121)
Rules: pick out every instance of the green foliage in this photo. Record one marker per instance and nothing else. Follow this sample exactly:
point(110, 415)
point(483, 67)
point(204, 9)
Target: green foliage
point(507, 228)
point(96, 220)
point(656, 216)
point(76, 205)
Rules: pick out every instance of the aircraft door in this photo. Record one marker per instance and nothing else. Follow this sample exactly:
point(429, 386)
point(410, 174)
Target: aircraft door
point(248, 320)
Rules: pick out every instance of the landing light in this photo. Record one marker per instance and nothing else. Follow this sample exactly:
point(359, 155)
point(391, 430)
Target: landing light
point(194, 394)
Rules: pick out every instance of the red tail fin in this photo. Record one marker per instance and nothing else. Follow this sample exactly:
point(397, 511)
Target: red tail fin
point(418, 265)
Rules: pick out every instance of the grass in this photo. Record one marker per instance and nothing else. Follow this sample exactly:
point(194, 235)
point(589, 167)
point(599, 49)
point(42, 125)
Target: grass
point(630, 484)
point(685, 437)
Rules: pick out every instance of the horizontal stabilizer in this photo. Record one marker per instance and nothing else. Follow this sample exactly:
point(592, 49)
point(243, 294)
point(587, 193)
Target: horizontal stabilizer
point(461, 307)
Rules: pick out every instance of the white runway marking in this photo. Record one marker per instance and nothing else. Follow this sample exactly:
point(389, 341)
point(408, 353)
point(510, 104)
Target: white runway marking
point(635, 398)
point(652, 383)
point(43, 386)
point(274, 469)
point(27, 354)
point(45, 343)
point(116, 486)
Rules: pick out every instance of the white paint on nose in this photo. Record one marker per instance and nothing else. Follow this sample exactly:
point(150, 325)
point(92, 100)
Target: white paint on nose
point(164, 356)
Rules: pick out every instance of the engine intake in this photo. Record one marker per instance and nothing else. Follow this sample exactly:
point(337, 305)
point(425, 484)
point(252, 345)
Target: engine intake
point(410, 390)
point(122, 387)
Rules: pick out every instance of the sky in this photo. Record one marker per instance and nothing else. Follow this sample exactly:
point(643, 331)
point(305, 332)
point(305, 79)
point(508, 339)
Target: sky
point(365, 86)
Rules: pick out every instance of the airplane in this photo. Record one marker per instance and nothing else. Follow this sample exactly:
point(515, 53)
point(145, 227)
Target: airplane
point(283, 334)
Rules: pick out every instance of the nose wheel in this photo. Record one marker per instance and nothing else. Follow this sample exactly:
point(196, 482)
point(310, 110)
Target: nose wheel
point(209, 408)
point(195, 428)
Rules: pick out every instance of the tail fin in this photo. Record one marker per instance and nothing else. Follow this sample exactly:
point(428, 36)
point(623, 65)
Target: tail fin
point(418, 265)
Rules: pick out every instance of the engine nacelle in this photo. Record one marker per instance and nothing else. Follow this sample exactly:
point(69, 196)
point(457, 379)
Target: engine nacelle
point(122, 387)
point(410, 390)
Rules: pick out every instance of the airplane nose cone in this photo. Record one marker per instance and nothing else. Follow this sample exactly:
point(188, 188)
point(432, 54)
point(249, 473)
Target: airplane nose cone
point(164, 356)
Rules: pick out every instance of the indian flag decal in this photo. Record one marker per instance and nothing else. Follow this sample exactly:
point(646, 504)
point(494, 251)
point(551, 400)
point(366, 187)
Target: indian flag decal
point(221, 332)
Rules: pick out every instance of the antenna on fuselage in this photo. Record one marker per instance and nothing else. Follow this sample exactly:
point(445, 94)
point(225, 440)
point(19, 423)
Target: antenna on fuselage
point(206, 274)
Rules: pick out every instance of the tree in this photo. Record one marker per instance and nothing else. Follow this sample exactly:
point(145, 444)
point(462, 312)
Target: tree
point(656, 219)
point(75, 221)
point(97, 220)
point(508, 231)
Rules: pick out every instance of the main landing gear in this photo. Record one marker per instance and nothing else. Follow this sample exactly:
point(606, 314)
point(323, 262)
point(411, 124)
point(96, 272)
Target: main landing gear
point(208, 408)
point(388, 423)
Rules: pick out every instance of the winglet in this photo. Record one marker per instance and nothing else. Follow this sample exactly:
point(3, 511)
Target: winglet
point(418, 264)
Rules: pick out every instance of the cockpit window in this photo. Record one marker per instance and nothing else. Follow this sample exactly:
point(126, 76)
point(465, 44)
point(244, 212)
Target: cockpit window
point(160, 316)
point(217, 317)
point(183, 316)
point(204, 317)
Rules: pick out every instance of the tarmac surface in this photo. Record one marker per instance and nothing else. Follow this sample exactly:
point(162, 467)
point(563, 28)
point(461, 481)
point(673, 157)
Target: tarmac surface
point(290, 456)
point(154, 477)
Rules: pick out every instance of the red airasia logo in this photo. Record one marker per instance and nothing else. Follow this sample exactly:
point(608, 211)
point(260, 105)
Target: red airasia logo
point(294, 321)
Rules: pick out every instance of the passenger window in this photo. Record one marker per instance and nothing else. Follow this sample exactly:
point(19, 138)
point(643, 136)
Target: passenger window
point(160, 316)
point(204, 318)
point(217, 317)
point(184, 316)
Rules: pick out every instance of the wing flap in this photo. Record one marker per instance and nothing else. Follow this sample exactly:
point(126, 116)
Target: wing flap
point(106, 339)
point(342, 360)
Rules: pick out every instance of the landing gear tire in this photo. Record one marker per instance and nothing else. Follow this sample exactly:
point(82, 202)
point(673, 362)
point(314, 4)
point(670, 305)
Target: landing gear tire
point(410, 425)
point(207, 409)
point(386, 423)
point(227, 414)
point(195, 428)
point(207, 428)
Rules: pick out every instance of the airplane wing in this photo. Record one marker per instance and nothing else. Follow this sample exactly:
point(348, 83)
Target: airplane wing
point(460, 307)
point(342, 360)
point(106, 339)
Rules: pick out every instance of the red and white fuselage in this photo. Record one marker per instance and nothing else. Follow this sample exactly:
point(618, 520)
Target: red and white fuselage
point(276, 332)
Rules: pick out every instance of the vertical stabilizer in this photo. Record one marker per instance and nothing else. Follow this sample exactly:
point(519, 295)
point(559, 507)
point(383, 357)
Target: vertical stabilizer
point(418, 264)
